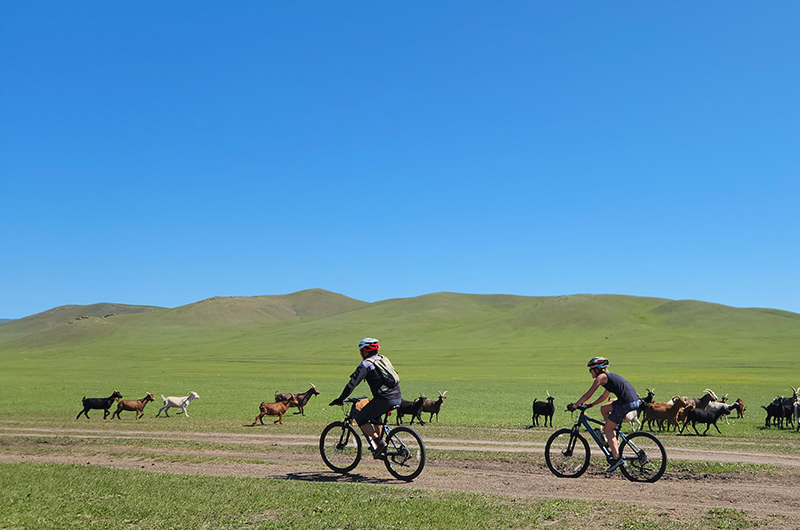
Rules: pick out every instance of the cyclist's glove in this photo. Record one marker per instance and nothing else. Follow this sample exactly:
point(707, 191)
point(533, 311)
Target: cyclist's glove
point(338, 402)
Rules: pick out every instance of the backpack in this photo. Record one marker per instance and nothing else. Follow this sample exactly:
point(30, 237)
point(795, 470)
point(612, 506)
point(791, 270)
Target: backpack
point(387, 371)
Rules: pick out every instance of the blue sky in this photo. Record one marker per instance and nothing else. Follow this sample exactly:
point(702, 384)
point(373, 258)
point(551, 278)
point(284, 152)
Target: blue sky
point(162, 153)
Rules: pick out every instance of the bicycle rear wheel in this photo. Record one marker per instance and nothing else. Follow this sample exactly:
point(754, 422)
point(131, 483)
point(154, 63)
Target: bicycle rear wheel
point(340, 447)
point(567, 454)
point(645, 457)
point(405, 453)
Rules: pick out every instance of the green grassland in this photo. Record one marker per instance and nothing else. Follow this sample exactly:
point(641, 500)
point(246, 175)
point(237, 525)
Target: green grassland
point(493, 354)
point(44, 497)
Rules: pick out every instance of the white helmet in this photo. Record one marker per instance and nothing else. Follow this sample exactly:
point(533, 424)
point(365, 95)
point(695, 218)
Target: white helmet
point(369, 344)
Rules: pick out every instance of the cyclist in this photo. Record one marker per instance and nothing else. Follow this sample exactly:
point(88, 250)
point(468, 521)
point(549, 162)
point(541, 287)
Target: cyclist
point(615, 410)
point(384, 398)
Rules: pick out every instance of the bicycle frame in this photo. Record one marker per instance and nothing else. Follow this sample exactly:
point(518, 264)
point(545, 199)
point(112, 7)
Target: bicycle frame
point(350, 416)
point(586, 422)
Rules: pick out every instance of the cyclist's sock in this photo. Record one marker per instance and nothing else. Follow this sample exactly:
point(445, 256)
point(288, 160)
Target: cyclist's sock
point(380, 447)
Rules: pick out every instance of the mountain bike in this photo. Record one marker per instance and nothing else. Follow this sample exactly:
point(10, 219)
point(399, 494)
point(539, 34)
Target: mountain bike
point(341, 447)
point(567, 451)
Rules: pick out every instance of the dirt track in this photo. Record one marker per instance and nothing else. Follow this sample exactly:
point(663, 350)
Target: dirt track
point(772, 499)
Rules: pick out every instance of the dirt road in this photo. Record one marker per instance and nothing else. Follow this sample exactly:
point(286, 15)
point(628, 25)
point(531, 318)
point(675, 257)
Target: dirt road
point(772, 499)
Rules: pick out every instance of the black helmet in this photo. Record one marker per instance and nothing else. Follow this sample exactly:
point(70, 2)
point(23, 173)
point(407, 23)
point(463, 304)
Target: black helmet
point(598, 362)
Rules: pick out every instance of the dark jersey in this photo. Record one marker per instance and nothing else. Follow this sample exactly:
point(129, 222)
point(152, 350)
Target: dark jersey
point(621, 388)
point(366, 370)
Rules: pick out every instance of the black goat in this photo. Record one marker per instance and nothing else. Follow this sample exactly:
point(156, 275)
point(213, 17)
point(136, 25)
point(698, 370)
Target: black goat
point(709, 417)
point(545, 409)
point(643, 402)
point(414, 408)
point(781, 408)
point(98, 403)
point(302, 398)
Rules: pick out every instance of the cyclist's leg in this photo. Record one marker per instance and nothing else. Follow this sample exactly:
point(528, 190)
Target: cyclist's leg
point(609, 429)
point(370, 415)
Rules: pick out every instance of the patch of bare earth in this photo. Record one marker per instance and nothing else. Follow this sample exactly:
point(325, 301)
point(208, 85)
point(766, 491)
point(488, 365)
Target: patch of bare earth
point(771, 499)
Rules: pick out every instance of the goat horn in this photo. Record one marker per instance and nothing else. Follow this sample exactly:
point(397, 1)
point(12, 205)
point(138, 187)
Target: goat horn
point(548, 393)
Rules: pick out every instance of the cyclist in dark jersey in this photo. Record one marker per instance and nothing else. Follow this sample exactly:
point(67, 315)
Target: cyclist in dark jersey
point(615, 410)
point(383, 399)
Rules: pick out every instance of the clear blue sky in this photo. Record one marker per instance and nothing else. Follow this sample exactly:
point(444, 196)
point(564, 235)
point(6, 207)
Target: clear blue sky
point(165, 152)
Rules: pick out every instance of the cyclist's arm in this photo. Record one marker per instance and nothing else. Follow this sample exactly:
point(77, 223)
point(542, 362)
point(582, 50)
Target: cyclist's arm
point(590, 392)
point(355, 379)
point(602, 399)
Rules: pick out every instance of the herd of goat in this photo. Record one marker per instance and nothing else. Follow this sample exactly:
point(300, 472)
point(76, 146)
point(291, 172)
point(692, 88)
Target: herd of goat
point(281, 405)
point(680, 411)
point(677, 413)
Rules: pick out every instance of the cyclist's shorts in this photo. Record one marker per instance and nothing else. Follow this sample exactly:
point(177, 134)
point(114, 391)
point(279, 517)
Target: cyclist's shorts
point(377, 407)
point(619, 410)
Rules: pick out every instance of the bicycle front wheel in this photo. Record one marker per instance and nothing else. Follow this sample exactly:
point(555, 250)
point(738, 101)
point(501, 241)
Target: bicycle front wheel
point(645, 457)
point(340, 447)
point(567, 454)
point(405, 453)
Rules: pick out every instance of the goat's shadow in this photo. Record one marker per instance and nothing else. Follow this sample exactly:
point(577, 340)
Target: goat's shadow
point(333, 477)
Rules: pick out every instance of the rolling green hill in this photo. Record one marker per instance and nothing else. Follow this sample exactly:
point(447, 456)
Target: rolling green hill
point(472, 345)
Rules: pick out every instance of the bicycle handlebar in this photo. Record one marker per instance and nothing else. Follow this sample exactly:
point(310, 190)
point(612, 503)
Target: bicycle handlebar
point(579, 407)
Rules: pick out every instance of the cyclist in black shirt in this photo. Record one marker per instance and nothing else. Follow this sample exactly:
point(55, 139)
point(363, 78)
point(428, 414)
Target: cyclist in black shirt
point(384, 398)
point(615, 410)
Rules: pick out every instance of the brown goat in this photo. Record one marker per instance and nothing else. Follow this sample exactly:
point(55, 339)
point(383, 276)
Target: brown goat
point(135, 405)
point(433, 407)
point(278, 409)
point(302, 398)
point(740, 410)
point(659, 412)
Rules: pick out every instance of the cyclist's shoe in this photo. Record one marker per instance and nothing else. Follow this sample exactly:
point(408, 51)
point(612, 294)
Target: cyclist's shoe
point(615, 464)
point(379, 451)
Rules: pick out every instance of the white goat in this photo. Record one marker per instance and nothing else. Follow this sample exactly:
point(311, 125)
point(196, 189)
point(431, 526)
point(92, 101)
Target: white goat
point(633, 418)
point(177, 402)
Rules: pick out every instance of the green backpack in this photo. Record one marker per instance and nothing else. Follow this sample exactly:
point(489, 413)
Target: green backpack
point(388, 373)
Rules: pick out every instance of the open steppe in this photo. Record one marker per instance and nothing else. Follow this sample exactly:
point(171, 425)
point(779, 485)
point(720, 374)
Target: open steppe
point(493, 354)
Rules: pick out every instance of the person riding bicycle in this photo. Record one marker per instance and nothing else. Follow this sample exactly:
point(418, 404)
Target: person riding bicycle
point(384, 397)
point(615, 410)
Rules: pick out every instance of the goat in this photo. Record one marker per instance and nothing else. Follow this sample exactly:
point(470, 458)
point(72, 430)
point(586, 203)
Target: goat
point(741, 409)
point(98, 403)
point(545, 409)
point(643, 402)
point(176, 402)
point(715, 405)
point(413, 408)
point(631, 417)
point(709, 417)
point(797, 415)
point(433, 406)
point(781, 409)
point(701, 402)
point(659, 412)
point(278, 409)
point(134, 405)
point(302, 398)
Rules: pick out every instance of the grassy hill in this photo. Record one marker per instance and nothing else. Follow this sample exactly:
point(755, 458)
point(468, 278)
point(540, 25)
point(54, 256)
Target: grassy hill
point(241, 349)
